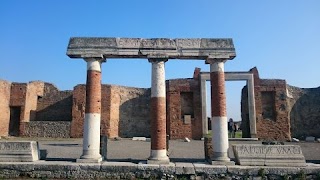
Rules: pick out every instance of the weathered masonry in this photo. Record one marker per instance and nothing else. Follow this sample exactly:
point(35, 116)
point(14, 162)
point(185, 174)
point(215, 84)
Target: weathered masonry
point(282, 111)
point(95, 51)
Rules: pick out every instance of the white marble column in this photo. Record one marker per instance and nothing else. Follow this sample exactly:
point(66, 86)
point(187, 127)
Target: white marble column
point(158, 154)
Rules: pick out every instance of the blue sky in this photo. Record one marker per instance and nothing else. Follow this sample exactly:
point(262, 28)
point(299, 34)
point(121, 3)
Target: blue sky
point(281, 38)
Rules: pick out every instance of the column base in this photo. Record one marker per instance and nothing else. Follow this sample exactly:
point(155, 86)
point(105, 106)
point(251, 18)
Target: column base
point(89, 160)
point(158, 157)
point(158, 161)
point(220, 156)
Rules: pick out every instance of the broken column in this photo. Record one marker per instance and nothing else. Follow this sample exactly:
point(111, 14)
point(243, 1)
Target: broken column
point(158, 154)
point(91, 127)
point(219, 122)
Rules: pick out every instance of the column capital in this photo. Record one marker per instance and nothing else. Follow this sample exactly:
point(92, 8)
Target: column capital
point(157, 58)
point(214, 60)
point(100, 59)
point(94, 63)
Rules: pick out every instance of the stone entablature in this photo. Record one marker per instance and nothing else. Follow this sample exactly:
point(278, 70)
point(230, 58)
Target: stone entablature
point(197, 48)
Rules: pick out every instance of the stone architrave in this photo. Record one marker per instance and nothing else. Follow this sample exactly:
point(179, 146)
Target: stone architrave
point(268, 155)
point(197, 48)
point(19, 151)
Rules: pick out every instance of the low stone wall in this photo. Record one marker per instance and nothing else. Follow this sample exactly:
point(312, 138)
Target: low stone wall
point(128, 170)
point(51, 129)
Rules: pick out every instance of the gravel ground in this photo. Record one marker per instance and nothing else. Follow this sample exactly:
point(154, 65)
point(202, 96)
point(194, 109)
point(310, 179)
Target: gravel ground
point(128, 150)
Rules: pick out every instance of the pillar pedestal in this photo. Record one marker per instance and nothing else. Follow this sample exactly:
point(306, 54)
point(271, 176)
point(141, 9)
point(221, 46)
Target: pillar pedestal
point(91, 127)
point(158, 154)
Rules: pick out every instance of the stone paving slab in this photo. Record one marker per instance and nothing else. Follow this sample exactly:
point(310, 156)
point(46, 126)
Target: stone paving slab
point(185, 168)
point(208, 168)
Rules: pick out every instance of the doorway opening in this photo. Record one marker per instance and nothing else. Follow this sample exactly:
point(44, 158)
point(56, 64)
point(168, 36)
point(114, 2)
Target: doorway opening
point(14, 124)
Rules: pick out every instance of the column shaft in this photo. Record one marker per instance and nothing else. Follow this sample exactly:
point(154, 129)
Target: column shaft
point(158, 154)
point(218, 112)
point(91, 129)
point(252, 108)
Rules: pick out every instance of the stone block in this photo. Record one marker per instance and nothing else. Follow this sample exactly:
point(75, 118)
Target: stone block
point(187, 119)
point(168, 168)
point(186, 139)
point(139, 139)
point(209, 169)
point(310, 139)
point(19, 151)
point(268, 155)
point(185, 168)
point(295, 140)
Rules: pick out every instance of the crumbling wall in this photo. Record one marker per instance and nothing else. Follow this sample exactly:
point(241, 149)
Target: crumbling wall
point(53, 105)
point(125, 111)
point(272, 111)
point(5, 88)
point(34, 90)
point(184, 102)
point(133, 110)
point(48, 129)
point(78, 110)
point(304, 111)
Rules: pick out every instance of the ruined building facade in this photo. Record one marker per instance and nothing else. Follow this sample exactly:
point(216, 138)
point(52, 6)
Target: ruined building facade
point(39, 109)
point(282, 111)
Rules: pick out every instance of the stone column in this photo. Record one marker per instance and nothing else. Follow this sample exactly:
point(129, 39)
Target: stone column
point(91, 127)
point(158, 154)
point(252, 107)
point(219, 121)
point(204, 105)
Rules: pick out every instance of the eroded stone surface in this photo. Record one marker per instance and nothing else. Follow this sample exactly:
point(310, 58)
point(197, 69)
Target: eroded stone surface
point(198, 48)
point(268, 155)
point(19, 151)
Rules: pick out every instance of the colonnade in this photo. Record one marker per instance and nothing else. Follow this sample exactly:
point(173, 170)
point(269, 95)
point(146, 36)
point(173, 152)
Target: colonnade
point(157, 50)
point(158, 152)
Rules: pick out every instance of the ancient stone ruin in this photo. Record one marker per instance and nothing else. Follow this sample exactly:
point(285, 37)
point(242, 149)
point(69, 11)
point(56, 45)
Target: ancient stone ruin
point(271, 109)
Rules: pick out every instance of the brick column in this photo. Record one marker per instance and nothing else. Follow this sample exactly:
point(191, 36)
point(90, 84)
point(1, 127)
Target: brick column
point(158, 154)
point(91, 127)
point(219, 122)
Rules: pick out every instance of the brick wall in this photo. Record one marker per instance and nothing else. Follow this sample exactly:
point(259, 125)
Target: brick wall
point(125, 111)
point(272, 121)
point(5, 88)
point(78, 110)
point(183, 96)
point(34, 90)
point(54, 105)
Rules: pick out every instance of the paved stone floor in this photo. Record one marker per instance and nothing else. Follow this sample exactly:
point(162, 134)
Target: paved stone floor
point(126, 150)
point(126, 160)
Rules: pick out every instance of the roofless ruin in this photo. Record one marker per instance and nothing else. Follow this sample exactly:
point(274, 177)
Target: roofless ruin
point(95, 51)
